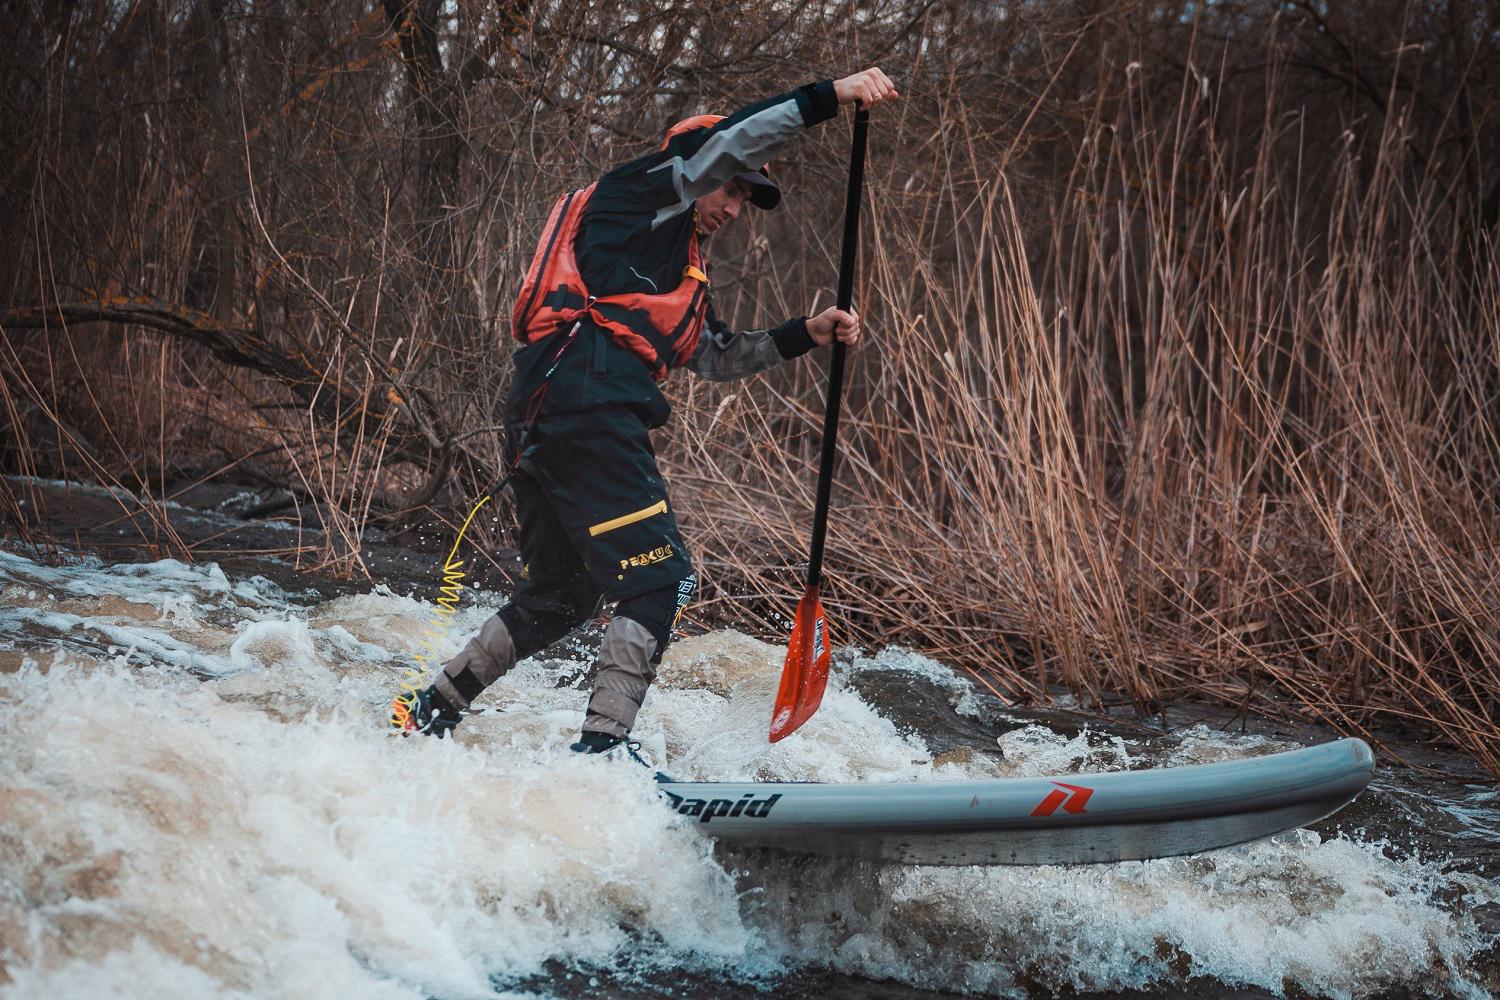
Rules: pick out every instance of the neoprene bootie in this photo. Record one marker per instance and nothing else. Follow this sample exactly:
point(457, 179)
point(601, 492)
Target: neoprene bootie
point(591, 742)
point(426, 712)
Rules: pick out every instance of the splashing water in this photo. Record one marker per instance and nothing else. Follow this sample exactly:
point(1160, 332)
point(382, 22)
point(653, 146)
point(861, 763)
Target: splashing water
point(202, 799)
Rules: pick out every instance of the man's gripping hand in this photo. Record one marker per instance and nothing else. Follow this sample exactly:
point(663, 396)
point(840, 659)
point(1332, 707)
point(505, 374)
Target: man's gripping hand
point(869, 87)
point(832, 322)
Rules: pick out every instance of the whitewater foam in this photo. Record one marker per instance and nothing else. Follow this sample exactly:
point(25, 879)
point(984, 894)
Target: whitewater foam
point(215, 808)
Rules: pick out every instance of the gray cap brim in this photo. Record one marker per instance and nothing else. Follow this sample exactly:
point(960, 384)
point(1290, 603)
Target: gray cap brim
point(764, 193)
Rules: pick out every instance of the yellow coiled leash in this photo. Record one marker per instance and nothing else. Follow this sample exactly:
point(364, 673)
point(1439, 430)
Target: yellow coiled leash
point(414, 678)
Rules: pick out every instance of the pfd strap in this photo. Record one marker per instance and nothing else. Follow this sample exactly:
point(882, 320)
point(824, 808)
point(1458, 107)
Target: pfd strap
point(692, 272)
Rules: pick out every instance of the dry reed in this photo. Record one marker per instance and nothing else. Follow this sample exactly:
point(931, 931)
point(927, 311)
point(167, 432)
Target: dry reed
point(1183, 377)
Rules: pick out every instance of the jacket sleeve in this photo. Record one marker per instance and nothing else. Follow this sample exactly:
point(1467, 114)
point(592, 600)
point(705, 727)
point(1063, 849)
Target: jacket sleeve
point(697, 162)
point(724, 355)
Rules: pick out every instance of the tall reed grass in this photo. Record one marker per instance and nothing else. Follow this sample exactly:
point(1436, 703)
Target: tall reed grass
point(1190, 424)
point(1182, 377)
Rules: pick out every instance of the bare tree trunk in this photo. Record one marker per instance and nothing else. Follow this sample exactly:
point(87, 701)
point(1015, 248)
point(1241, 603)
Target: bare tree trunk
point(437, 107)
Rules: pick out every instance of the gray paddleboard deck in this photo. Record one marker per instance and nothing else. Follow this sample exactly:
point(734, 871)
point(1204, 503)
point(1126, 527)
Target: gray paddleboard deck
point(1067, 819)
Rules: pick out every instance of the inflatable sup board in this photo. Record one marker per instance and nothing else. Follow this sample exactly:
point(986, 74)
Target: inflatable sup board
point(1069, 819)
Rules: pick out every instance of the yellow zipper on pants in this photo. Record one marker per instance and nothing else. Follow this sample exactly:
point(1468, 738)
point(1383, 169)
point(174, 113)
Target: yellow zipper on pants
point(660, 507)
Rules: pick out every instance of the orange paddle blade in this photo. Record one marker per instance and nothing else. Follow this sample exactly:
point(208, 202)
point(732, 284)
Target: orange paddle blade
point(805, 673)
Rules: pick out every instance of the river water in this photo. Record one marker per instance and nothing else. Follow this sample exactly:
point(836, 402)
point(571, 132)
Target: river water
point(199, 799)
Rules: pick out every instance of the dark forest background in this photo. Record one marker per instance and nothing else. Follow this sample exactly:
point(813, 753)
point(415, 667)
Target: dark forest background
point(1184, 367)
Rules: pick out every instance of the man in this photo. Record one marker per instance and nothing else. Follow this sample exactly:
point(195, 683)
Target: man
point(616, 297)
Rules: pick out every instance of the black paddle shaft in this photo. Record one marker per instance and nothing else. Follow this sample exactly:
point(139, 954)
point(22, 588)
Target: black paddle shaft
point(836, 369)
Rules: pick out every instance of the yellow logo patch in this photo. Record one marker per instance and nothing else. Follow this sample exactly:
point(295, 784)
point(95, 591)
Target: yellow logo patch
point(647, 558)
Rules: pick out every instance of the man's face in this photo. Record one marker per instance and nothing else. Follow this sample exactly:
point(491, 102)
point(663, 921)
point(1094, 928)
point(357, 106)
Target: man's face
point(722, 207)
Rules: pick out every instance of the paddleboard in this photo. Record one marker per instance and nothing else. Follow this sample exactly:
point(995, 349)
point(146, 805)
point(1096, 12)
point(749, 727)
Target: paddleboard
point(1067, 819)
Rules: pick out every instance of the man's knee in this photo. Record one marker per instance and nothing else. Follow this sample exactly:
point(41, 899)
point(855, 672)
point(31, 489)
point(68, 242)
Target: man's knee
point(659, 610)
point(536, 628)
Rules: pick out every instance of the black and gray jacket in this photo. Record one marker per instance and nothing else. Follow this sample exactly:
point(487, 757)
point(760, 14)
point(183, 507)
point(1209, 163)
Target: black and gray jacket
point(634, 238)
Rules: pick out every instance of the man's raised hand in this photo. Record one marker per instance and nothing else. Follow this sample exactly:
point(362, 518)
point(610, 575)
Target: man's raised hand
point(869, 87)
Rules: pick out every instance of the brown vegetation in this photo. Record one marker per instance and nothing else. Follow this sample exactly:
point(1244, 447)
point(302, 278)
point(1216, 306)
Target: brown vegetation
point(1186, 327)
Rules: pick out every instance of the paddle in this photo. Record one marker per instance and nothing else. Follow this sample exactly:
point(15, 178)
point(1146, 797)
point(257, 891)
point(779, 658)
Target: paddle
point(805, 673)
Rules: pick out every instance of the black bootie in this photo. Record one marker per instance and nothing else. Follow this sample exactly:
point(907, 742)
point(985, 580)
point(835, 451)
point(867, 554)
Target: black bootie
point(592, 742)
point(425, 711)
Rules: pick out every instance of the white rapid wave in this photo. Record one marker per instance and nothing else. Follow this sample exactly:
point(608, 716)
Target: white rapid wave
point(200, 799)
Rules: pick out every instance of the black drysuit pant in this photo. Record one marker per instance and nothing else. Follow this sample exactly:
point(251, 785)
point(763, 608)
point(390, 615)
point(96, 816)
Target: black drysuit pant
point(595, 522)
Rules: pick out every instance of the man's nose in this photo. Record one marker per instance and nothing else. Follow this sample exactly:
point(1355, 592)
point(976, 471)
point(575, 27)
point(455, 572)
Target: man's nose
point(732, 208)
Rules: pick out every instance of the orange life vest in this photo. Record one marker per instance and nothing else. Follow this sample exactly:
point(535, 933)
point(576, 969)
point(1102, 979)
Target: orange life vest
point(660, 329)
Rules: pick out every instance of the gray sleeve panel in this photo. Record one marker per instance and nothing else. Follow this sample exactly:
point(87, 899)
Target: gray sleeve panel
point(725, 356)
point(746, 145)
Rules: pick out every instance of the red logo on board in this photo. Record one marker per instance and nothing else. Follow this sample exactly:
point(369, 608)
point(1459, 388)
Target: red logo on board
point(1072, 800)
